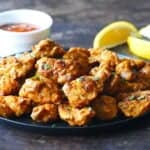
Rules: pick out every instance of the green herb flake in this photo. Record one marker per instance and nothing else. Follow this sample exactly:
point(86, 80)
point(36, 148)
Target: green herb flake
point(53, 125)
point(141, 97)
point(46, 66)
point(132, 97)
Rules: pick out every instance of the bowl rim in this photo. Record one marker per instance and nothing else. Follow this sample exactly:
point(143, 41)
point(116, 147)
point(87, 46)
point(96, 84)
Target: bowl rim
point(31, 32)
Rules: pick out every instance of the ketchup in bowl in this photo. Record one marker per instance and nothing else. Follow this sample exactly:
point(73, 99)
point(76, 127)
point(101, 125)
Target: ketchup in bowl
point(19, 27)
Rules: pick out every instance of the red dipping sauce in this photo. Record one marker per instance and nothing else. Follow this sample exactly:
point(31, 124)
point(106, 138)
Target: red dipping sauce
point(19, 27)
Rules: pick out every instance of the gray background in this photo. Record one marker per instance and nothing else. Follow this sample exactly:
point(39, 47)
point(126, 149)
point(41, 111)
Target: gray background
point(75, 23)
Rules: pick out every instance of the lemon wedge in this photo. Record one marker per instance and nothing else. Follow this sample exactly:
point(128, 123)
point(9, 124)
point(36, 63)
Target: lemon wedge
point(145, 31)
point(113, 34)
point(139, 47)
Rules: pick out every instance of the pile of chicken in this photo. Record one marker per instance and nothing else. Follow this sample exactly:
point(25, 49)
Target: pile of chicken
point(76, 86)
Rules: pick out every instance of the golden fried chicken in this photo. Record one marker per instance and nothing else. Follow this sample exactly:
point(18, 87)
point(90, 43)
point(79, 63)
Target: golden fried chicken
point(134, 104)
point(79, 55)
point(105, 107)
point(19, 105)
point(47, 48)
point(8, 85)
point(60, 70)
point(125, 70)
point(102, 72)
point(145, 71)
point(81, 92)
point(113, 84)
point(5, 111)
point(75, 116)
point(95, 55)
point(14, 106)
point(109, 59)
point(6, 63)
point(41, 90)
point(17, 67)
point(45, 113)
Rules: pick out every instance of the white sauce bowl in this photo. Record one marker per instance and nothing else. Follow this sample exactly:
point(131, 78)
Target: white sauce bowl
point(17, 42)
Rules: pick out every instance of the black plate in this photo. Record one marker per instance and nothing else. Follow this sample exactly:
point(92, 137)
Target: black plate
point(63, 128)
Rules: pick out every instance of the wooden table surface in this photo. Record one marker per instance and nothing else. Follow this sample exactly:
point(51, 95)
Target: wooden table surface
point(75, 24)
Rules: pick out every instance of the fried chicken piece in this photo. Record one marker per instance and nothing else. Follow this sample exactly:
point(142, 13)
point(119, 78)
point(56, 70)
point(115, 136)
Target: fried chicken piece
point(145, 71)
point(14, 106)
point(19, 105)
point(105, 107)
point(6, 63)
point(17, 67)
point(109, 59)
point(137, 85)
point(24, 66)
point(60, 70)
point(135, 104)
point(47, 48)
point(75, 116)
point(8, 85)
point(41, 90)
point(95, 55)
point(125, 70)
point(5, 111)
point(137, 63)
point(77, 53)
point(45, 113)
point(102, 72)
point(132, 95)
point(112, 85)
point(81, 92)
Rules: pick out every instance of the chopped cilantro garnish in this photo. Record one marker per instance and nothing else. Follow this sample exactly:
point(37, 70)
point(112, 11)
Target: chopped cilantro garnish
point(141, 97)
point(46, 67)
point(132, 97)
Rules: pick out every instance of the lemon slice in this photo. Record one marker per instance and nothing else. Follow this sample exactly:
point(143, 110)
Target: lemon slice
point(145, 31)
point(113, 34)
point(139, 47)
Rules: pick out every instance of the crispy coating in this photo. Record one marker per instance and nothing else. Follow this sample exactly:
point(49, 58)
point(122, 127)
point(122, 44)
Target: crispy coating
point(19, 105)
point(101, 72)
point(125, 70)
point(41, 90)
point(113, 84)
point(81, 92)
point(135, 104)
point(17, 67)
point(75, 116)
point(45, 113)
point(109, 59)
point(60, 70)
point(14, 106)
point(95, 55)
point(137, 85)
point(105, 107)
point(5, 111)
point(145, 71)
point(8, 85)
point(47, 48)
point(81, 56)
point(77, 53)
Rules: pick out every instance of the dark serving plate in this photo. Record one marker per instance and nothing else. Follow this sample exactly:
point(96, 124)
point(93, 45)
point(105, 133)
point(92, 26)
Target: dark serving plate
point(62, 128)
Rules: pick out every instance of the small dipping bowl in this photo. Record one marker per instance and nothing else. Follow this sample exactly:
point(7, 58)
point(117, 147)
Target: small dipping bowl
point(16, 42)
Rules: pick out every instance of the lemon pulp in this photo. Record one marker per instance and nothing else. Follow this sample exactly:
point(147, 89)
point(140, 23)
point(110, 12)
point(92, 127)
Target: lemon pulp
point(113, 34)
